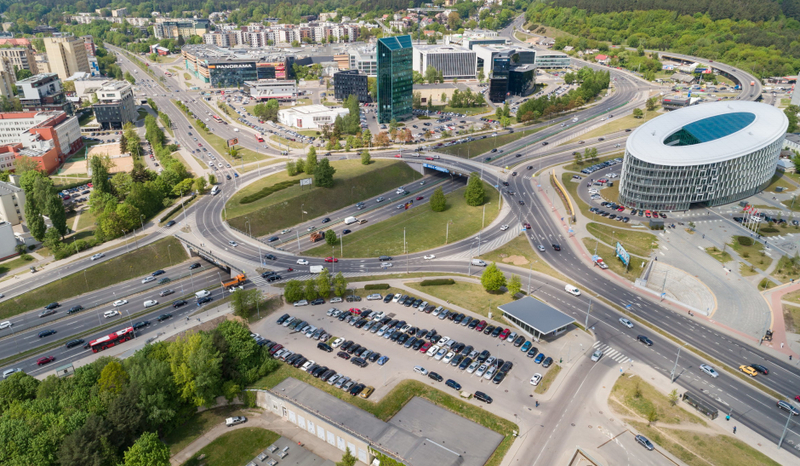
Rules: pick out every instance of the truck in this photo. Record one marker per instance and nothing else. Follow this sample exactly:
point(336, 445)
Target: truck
point(317, 236)
point(598, 261)
point(112, 339)
point(237, 280)
point(350, 220)
point(315, 269)
point(752, 83)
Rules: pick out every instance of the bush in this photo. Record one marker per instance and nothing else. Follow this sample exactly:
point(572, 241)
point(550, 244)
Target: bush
point(768, 230)
point(744, 240)
point(62, 187)
point(377, 286)
point(267, 191)
point(438, 281)
point(175, 209)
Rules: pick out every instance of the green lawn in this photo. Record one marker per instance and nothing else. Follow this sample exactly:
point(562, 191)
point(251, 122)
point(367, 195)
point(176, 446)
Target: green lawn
point(198, 425)
point(285, 142)
point(390, 404)
point(778, 180)
point(15, 263)
point(424, 228)
point(722, 256)
point(482, 146)
point(86, 220)
point(187, 76)
point(353, 182)
point(617, 124)
point(635, 242)
point(646, 399)
point(235, 448)
point(137, 263)
point(142, 114)
point(470, 296)
point(614, 264)
point(791, 316)
point(753, 252)
point(518, 252)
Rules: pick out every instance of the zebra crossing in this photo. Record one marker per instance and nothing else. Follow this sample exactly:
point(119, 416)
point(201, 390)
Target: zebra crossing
point(487, 246)
point(611, 353)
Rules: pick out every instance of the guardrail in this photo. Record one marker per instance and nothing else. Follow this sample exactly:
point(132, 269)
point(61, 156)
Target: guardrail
point(564, 196)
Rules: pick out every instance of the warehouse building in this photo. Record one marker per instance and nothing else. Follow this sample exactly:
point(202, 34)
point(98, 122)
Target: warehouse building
point(453, 62)
point(310, 116)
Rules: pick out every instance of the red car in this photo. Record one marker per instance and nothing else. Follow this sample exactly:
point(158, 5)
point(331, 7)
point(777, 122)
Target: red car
point(647, 213)
point(89, 184)
point(45, 360)
point(331, 259)
point(398, 156)
point(355, 310)
point(797, 398)
point(199, 145)
point(504, 334)
point(428, 158)
point(424, 348)
point(481, 325)
point(419, 198)
point(275, 349)
point(621, 209)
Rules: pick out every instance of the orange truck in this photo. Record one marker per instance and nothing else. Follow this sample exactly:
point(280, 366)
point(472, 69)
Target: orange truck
point(317, 236)
point(237, 280)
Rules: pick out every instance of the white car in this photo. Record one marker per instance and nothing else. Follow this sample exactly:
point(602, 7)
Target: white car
point(111, 313)
point(709, 370)
point(626, 322)
point(448, 357)
point(283, 232)
point(503, 227)
point(337, 342)
point(120, 302)
point(148, 279)
point(429, 257)
point(374, 296)
point(597, 355)
point(472, 367)
point(540, 248)
point(432, 350)
point(302, 262)
point(335, 300)
point(232, 243)
point(420, 370)
point(8, 372)
point(307, 364)
point(537, 377)
point(5, 325)
point(150, 303)
point(98, 256)
point(386, 265)
point(302, 302)
point(481, 369)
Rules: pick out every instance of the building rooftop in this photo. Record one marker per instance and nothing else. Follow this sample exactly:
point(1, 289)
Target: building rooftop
point(537, 314)
point(215, 53)
point(396, 42)
point(115, 86)
point(37, 78)
point(312, 109)
point(8, 188)
point(442, 49)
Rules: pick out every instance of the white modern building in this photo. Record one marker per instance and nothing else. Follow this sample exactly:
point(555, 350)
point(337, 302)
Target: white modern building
point(551, 60)
point(8, 241)
point(365, 60)
point(452, 61)
point(702, 155)
point(310, 116)
point(265, 89)
point(12, 203)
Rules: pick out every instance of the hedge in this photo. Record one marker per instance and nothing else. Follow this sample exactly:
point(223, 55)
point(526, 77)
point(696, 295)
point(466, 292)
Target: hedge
point(175, 209)
point(377, 286)
point(62, 187)
point(268, 190)
point(438, 281)
point(744, 240)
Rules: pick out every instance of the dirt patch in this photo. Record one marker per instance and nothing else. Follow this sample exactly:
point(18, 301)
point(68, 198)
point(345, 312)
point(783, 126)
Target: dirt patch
point(789, 313)
point(516, 260)
point(204, 327)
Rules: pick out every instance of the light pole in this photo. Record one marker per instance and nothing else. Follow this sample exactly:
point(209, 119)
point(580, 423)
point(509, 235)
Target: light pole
point(125, 234)
point(786, 427)
point(675, 367)
point(130, 321)
point(169, 254)
point(586, 324)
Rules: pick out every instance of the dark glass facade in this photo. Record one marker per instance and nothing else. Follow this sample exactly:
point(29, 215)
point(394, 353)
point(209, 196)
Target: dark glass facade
point(395, 83)
point(521, 80)
point(351, 82)
point(498, 89)
point(232, 74)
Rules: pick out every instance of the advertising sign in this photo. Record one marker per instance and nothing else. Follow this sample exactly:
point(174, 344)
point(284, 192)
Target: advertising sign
point(233, 141)
point(306, 181)
point(623, 254)
point(434, 167)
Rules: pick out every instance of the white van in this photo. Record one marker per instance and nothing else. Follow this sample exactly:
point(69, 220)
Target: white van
point(236, 129)
point(202, 294)
point(350, 220)
point(316, 269)
point(478, 262)
point(215, 190)
point(572, 290)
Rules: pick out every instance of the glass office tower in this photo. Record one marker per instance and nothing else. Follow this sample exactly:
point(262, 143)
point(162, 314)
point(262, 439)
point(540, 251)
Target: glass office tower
point(395, 84)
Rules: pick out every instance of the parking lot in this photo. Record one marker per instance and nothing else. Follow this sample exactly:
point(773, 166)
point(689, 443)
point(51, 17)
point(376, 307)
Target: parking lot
point(401, 360)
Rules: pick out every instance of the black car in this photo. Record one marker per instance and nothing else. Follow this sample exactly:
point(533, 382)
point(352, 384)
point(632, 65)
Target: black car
point(645, 340)
point(140, 325)
point(521, 202)
point(317, 301)
point(324, 347)
point(282, 319)
point(488, 330)
point(170, 223)
point(52, 306)
point(326, 220)
point(359, 362)
point(474, 323)
point(179, 303)
point(483, 397)
point(74, 343)
point(207, 299)
point(273, 239)
point(343, 355)
point(435, 376)
point(547, 362)
point(271, 257)
point(496, 332)
point(357, 388)
point(196, 265)
point(75, 309)
point(164, 317)
point(760, 368)
point(519, 341)
point(46, 333)
point(157, 273)
point(273, 278)
point(556, 246)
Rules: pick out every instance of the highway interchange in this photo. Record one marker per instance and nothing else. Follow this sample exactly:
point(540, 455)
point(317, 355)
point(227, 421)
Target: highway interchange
point(751, 407)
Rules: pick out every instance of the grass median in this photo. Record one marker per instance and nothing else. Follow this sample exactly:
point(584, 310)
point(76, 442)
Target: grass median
point(134, 264)
point(481, 146)
point(518, 252)
point(635, 242)
point(753, 252)
point(234, 448)
point(617, 124)
point(421, 227)
point(353, 182)
point(614, 264)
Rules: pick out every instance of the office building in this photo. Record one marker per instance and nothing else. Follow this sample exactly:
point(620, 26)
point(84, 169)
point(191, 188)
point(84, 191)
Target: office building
point(702, 156)
point(672, 102)
point(351, 82)
point(453, 62)
point(8, 77)
point(88, 44)
point(395, 80)
point(364, 59)
point(265, 89)
point(231, 68)
point(42, 93)
point(66, 55)
point(47, 137)
point(521, 80)
point(42, 64)
point(115, 105)
point(20, 52)
point(12, 204)
point(551, 60)
point(172, 29)
point(310, 116)
point(796, 93)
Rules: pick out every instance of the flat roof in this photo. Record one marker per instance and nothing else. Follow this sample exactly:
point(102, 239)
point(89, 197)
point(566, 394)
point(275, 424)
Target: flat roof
point(298, 455)
point(314, 108)
point(543, 317)
point(708, 133)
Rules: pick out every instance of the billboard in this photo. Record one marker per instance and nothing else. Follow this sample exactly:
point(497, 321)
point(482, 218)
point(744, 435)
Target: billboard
point(306, 181)
point(623, 254)
point(233, 141)
point(434, 167)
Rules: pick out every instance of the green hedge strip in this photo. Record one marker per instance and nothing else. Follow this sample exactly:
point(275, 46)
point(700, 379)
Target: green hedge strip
point(438, 281)
point(268, 190)
point(377, 286)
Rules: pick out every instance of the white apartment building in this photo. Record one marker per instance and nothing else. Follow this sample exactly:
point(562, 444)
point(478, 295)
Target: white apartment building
point(12, 203)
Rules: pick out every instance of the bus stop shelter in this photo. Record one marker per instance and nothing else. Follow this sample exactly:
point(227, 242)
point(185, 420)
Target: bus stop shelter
point(536, 318)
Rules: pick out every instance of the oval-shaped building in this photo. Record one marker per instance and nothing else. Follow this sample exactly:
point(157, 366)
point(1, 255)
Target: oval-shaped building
point(703, 155)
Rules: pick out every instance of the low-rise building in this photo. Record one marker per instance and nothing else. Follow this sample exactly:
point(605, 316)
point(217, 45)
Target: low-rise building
point(8, 241)
point(310, 116)
point(452, 61)
point(115, 105)
point(48, 137)
point(12, 203)
point(265, 89)
point(43, 93)
point(351, 82)
point(551, 60)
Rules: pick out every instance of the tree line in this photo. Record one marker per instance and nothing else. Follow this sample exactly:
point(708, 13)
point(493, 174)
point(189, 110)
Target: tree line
point(592, 84)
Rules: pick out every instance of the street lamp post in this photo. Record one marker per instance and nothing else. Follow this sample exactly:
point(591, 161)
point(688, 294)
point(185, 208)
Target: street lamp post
point(675, 367)
point(125, 235)
point(169, 254)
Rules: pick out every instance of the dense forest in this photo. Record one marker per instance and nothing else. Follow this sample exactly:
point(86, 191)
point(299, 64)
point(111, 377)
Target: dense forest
point(716, 9)
point(765, 48)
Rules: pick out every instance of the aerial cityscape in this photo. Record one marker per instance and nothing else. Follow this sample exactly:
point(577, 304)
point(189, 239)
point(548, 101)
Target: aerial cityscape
point(575, 218)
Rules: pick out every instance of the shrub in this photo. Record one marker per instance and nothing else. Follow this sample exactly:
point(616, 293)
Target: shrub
point(438, 281)
point(768, 230)
point(744, 240)
point(267, 191)
point(175, 209)
point(377, 286)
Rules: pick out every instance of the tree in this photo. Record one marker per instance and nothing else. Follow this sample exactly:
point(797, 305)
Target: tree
point(650, 105)
point(34, 219)
point(347, 459)
point(638, 113)
point(23, 165)
point(293, 291)
point(324, 282)
point(310, 291)
point(330, 238)
point(148, 450)
point(22, 73)
point(431, 75)
point(366, 159)
point(100, 180)
point(199, 185)
point(514, 285)
point(129, 77)
point(244, 302)
point(791, 113)
point(291, 168)
point(492, 278)
point(339, 285)
point(123, 144)
point(481, 76)
point(311, 160)
point(113, 378)
point(56, 213)
point(417, 77)
point(578, 158)
point(438, 202)
point(673, 397)
point(474, 194)
point(382, 139)
point(212, 179)
point(323, 175)
point(89, 445)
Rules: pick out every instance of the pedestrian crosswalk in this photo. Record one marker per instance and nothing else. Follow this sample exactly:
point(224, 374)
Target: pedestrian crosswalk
point(611, 353)
point(486, 246)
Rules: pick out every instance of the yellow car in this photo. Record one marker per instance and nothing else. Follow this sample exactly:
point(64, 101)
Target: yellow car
point(748, 370)
point(367, 392)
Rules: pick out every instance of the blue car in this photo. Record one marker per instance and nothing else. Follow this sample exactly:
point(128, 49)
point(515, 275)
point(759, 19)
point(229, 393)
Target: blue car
point(383, 360)
point(526, 346)
point(539, 358)
point(453, 384)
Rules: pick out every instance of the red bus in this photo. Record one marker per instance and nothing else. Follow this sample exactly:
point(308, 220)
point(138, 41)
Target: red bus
point(112, 339)
point(259, 138)
point(216, 118)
